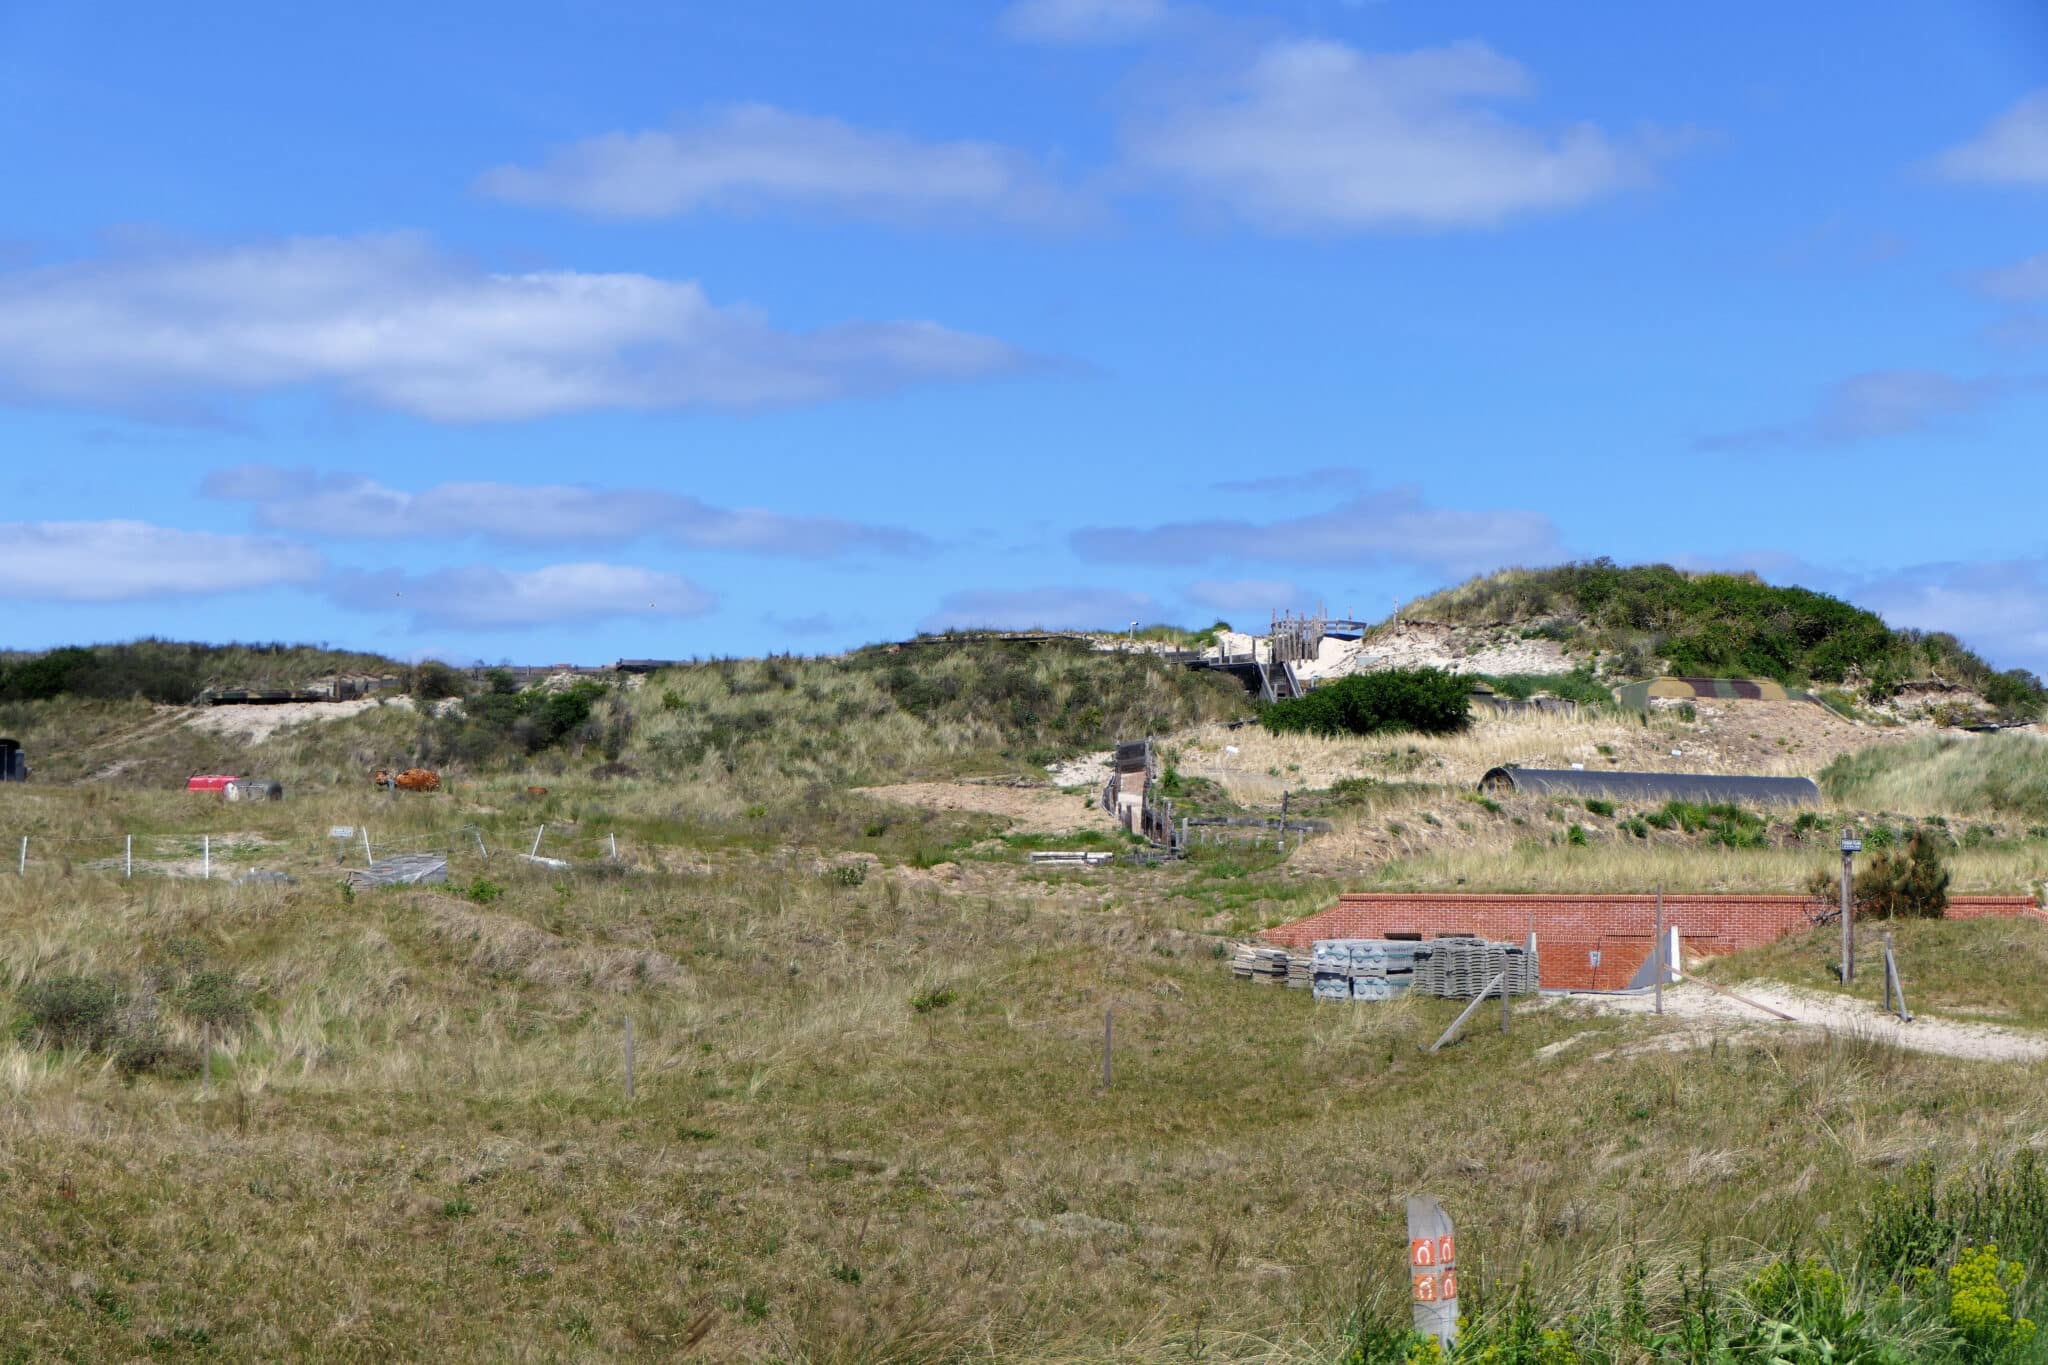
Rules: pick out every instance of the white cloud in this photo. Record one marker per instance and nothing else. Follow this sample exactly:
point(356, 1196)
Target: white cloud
point(1258, 595)
point(391, 322)
point(120, 561)
point(483, 596)
point(2013, 149)
point(354, 507)
point(754, 156)
point(1391, 527)
point(1316, 135)
point(1060, 608)
point(1082, 21)
point(1999, 608)
point(1880, 403)
point(2021, 281)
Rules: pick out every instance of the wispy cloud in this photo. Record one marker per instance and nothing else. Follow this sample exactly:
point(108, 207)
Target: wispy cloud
point(2012, 149)
point(485, 597)
point(755, 157)
point(1320, 136)
point(1082, 21)
point(355, 507)
point(1878, 404)
point(1056, 608)
point(1309, 481)
point(390, 322)
point(2020, 282)
point(122, 561)
point(1391, 527)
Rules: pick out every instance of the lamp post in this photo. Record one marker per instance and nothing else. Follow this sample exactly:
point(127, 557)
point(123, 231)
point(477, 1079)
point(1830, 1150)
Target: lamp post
point(1851, 846)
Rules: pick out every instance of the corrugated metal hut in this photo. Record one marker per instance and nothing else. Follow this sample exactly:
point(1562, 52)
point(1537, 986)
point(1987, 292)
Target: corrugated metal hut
point(1641, 787)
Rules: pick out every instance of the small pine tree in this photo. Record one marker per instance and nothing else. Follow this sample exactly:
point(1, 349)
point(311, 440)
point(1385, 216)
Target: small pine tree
point(1897, 883)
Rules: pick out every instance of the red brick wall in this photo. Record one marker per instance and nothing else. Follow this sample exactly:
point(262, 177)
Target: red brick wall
point(1570, 928)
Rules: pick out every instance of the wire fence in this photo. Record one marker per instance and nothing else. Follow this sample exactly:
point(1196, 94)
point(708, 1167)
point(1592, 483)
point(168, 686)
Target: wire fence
point(210, 856)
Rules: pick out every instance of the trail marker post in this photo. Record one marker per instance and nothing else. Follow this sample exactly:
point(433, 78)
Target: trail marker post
point(1433, 1270)
point(1851, 846)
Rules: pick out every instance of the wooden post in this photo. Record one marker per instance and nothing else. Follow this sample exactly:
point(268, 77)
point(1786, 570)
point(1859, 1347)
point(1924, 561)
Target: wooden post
point(1848, 930)
point(629, 1058)
point(1657, 971)
point(368, 858)
point(1108, 1042)
point(481, 851)
point(1480, 999)
point(615, 845)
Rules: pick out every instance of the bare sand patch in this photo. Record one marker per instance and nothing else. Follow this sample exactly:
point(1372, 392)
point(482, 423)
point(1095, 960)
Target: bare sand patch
point(1029, 810)
point(255, 724)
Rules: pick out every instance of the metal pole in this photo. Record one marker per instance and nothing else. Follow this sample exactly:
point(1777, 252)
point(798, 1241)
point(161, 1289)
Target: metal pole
point(21, 868)
point(1887, 969)
point(1848, 928)
point(615, 845)
point(535, 850)
point(368, 857)
point(1657, 973)
point(128, 860)
point(206, 856)
point(481, 851)
point(1282, 845)
point(1480, 999)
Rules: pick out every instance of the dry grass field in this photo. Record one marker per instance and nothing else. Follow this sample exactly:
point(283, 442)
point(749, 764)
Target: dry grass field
point(868, 1122)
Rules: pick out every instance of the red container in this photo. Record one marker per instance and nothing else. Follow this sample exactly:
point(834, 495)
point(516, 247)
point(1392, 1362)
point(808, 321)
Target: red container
point(212, 782)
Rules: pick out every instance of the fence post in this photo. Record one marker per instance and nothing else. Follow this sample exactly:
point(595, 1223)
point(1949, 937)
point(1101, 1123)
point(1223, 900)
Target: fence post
point(481, 851)
point(128, 860)
point(534, 852)
point(615, 845)
point(1281, 847)
point(1887, 969)
point(368, 857)
point(1108, 1042)
point(629, 1058)
point(1657, 971)
point(206, 856)
point(21, 868)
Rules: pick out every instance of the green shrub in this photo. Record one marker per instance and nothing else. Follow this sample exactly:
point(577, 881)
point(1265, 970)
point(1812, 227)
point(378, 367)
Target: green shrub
point(483, 890)
point(1425, 700)
point(216, 998)
point(848, 874)
point(935, 998)
point(1576, 836)
point(1599, 807)
point(70, 1011)
point(152, 1055)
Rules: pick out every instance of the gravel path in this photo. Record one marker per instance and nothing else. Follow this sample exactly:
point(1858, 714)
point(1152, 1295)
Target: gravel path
point(1816, 1010)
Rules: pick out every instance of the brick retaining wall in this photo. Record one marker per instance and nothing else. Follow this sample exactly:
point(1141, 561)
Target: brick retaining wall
point(1569, 929)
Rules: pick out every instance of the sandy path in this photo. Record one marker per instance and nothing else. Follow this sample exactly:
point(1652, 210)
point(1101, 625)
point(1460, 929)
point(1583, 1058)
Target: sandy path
point(258, 723)
point(1815, 1010)
point(1030, 810)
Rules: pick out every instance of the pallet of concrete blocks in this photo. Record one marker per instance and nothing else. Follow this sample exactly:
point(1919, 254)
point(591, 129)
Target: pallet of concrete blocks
point(1377, 989)
point(1300, 972)
point(1461, 968)
point(1265, 966)
point(1331, 986)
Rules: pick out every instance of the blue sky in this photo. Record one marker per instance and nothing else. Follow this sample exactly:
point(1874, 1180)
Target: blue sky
point(577, 333)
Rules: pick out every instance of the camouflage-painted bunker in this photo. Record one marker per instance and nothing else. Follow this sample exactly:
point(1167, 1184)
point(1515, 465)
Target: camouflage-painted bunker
point(1640, 694)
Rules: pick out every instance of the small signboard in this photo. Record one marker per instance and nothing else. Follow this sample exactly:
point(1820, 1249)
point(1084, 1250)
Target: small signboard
point(1852, 845)
point(1433, 1269)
